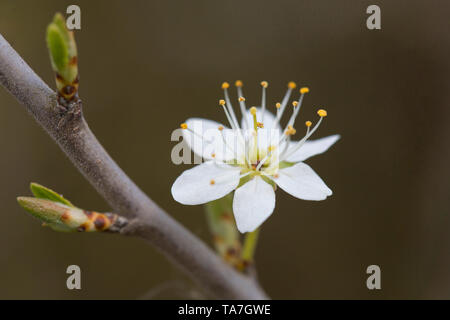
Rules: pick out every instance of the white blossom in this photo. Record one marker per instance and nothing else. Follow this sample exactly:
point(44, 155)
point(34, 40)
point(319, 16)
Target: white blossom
point(252, 157)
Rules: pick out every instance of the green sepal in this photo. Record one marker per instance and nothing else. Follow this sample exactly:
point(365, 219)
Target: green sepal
point(285, 164)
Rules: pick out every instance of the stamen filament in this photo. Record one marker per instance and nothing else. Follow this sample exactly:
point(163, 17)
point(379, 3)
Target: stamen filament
point(255, 127)
point(225, 86)
point(302, 141)
point(242, 103)
point(284, 102)
point(264, 85)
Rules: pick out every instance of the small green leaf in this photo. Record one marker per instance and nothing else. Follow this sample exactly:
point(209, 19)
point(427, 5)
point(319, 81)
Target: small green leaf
point(59, 50)
point(42, 192)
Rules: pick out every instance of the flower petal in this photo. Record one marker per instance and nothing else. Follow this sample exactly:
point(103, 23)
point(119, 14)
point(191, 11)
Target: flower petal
point(302, 182)
point(267, 119)
point(253, 203)
point(312, 148)
point(207, 142)
point(204, 183)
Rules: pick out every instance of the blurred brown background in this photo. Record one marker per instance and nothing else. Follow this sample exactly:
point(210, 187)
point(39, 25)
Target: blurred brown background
point(146, 66)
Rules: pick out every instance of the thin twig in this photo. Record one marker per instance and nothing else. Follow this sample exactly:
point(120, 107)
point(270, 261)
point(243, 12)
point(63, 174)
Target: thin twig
point(146, 219)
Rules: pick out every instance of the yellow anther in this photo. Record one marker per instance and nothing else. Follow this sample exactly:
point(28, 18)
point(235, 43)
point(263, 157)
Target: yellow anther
point(276, 175)
point(322, 113)
point(222, 102)
point(292, 85)
point(183, 126)
point(290, 131)
point(220, 128)
point(260, 125)
point(241, 99)
point(295, 103)
point(253, 110)
point(264, 84)
point(278, 105)
point(304, 90)
point(271, 148)
point(212, 182)
point(238, 83)
point(213, 155)
point(308, 123)
point(290, 127)
point(225, 85)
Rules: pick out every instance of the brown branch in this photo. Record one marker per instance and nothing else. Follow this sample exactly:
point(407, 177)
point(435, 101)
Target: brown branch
point(146, 219)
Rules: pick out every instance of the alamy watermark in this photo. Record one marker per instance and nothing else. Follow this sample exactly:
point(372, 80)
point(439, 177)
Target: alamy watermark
point(374, 280)
point(74, 280)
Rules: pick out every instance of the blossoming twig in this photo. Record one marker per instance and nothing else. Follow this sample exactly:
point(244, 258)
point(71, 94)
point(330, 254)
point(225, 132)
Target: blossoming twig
point(146, 219)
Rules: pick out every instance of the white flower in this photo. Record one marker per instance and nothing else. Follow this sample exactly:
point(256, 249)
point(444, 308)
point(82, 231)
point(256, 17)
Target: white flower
point(252, 157)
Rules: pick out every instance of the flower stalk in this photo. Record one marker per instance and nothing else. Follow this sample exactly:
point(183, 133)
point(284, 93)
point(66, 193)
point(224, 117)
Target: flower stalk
point(248, 252)
point(226, 238)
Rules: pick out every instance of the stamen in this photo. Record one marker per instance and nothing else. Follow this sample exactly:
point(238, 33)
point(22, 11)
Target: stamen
point(212, 182)
point(278, 106)
point(290, 131)
point(260, 125)
point(297, 105)
point(308, 123)
point(253, 113)
point(304, 90)
point(243, 108)
point(264, 85)
point(239, 86)
point(322, 113)
point(291, 86)
point(184, 126)
point(255, 127)
point(225, 86)
point(223, 104)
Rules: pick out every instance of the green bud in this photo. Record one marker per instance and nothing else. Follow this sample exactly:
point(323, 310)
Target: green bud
point(61, 215)
point(56, 215)
point(63, 56)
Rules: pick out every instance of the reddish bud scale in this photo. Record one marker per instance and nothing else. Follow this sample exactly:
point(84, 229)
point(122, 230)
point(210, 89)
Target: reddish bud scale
point(97, 221)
